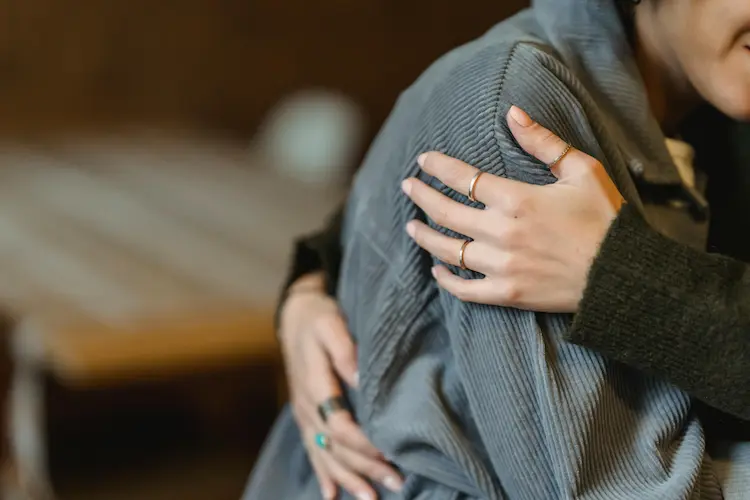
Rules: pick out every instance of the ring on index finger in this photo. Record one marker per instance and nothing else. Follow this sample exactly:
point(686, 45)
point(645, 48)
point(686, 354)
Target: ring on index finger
point(557, 160)
point(331, 406)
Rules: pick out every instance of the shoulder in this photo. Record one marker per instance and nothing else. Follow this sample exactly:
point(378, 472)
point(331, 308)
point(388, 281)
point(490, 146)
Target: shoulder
point(462, 100)
point(458, 106)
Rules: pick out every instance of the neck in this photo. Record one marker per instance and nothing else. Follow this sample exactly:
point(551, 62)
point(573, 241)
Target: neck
point(670, 94)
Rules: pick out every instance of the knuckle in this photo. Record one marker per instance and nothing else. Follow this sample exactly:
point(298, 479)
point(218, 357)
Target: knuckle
point(593, 165)
point(454, 176)
point(518, 206)
point(336, 433)
point(339, 352)
point(509, 235)
point(340, 477)
point(440, 214)
point(506, 265)
point(344, 363)
point(343, 475)
point(337, 427)
point(448, 252)
point(509, 293)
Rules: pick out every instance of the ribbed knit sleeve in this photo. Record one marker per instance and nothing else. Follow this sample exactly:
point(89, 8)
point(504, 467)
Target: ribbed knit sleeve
point(672, 311)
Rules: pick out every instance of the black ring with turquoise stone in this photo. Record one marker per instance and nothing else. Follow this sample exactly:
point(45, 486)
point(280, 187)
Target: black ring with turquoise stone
point(322, 441)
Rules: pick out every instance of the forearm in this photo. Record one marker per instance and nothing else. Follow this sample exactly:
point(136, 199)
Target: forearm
point(661, 307)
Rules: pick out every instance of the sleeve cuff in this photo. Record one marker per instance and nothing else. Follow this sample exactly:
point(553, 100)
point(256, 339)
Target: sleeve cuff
point(633, 308)
point(670, 311)
point(318, 252)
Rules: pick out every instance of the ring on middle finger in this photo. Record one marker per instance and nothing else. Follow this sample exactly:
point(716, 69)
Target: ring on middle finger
point(461, 253)
point(473, 185)
point(331, 406)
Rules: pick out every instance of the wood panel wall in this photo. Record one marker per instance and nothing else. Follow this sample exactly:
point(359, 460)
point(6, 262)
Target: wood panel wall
point(214, 63)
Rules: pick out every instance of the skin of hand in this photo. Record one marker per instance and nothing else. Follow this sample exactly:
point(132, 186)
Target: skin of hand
point(533, 244)
point(317, 347)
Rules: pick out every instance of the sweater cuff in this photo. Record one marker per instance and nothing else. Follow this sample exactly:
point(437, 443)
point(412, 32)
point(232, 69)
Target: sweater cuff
point(668, 310)
point(318, 252)
point(628, 307)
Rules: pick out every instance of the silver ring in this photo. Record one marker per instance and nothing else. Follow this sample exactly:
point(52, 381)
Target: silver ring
point(330, 406)
point(473, 185)
point(557, 160)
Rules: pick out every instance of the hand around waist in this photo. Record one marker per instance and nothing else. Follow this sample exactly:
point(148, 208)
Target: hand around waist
point(317, 347)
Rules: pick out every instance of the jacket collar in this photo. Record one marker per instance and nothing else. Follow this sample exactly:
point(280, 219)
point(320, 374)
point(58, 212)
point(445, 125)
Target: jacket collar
point(591, 39)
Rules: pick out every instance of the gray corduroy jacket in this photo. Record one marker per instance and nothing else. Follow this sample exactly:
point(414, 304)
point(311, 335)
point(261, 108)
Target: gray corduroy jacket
point(474, 401)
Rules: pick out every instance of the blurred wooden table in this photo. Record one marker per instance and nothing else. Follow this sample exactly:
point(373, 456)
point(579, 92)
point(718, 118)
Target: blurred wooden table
point(139, 257)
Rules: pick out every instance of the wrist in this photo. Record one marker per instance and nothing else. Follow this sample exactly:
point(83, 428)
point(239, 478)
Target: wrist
point(310, 282)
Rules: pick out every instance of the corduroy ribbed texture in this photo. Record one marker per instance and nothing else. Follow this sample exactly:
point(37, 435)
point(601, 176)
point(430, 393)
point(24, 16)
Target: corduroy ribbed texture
point(475, 401)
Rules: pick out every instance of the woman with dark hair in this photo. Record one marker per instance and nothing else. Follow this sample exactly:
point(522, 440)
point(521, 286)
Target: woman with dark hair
point(494, 401)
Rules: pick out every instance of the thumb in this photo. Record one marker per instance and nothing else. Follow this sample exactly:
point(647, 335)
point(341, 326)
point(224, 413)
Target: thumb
point(340, 348)
point(545, 146)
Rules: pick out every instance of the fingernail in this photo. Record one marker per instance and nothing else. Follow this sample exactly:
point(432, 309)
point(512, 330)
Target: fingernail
point(434, 272)
point(356, 379)
point(410, 229)
point(365, 496)
point(520, 117)
point(328, 494)
point(421, 159)
point(393, 483)
point(406, 186)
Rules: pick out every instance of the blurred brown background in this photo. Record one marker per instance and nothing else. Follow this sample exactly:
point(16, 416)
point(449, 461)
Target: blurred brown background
point(101, 418)
point(216, 64)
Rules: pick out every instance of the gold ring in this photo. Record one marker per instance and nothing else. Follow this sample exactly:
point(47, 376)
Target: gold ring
point(473, 185)
point(461, 252)
point(557, 160)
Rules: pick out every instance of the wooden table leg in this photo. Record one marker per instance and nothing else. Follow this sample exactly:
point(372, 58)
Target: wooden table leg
point(10, 480)
point(7, 470)
point(28, 440)
point(23, 431)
